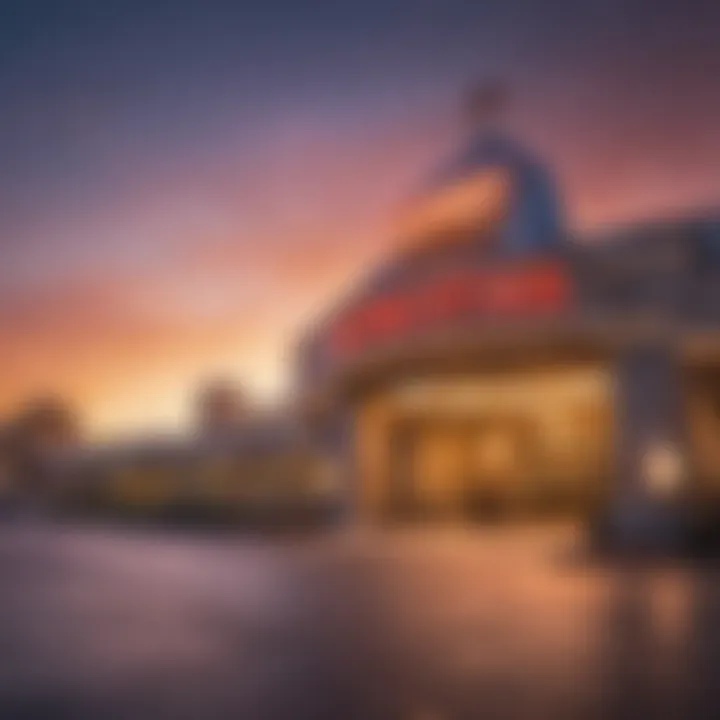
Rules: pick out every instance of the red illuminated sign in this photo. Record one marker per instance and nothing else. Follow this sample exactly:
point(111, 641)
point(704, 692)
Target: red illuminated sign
point(540, 287)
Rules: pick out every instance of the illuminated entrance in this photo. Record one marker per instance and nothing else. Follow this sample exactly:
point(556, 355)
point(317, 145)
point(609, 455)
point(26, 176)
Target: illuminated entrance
point(453, 468)
point(487, 448)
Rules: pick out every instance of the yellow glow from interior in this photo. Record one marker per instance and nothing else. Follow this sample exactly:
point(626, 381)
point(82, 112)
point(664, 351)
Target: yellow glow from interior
point(543, 431)
point(532, 390)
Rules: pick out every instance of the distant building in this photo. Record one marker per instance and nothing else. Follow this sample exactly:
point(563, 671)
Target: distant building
point(37, 449)
point(262, 470)
point(5, 463)
point(221, 408)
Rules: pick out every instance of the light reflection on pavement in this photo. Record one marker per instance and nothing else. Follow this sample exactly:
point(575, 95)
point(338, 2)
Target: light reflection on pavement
point(436, 625)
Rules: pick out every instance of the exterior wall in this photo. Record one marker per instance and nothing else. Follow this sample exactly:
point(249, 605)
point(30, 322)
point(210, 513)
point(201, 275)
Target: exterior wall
point(703, 416)
point(372, 449)
point(651, 439)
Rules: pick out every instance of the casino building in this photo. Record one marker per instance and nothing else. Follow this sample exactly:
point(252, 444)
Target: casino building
point(497, 366)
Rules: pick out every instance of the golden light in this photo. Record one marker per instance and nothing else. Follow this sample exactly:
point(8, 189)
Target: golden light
point(663, 469)
point(472, 204)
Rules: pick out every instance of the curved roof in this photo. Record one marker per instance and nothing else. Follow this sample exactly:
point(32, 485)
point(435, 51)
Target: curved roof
point(528, 228)
point(531, 217)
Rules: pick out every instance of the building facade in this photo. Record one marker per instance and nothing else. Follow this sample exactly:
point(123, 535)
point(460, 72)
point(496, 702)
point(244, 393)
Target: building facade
point(263, 472)
point(498, 366)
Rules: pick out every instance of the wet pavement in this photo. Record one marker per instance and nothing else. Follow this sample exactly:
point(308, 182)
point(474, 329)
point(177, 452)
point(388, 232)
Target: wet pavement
point(406, 625)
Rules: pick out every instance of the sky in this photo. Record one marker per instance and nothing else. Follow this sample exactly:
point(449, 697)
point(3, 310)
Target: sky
point(184, 185)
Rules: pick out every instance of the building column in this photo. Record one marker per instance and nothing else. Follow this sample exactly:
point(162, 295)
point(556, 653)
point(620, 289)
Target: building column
point(646, 506)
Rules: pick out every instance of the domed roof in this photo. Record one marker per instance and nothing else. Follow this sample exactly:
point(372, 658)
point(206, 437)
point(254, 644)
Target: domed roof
point(495, 192)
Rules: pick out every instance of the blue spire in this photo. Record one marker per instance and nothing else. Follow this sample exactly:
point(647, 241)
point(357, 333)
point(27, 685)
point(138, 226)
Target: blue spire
point(533, 221)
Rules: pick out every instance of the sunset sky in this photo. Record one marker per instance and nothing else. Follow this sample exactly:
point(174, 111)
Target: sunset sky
point(185, 184)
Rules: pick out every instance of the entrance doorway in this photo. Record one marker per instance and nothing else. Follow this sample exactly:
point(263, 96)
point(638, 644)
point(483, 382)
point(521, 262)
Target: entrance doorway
point(488, 448)
point(450, 469)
